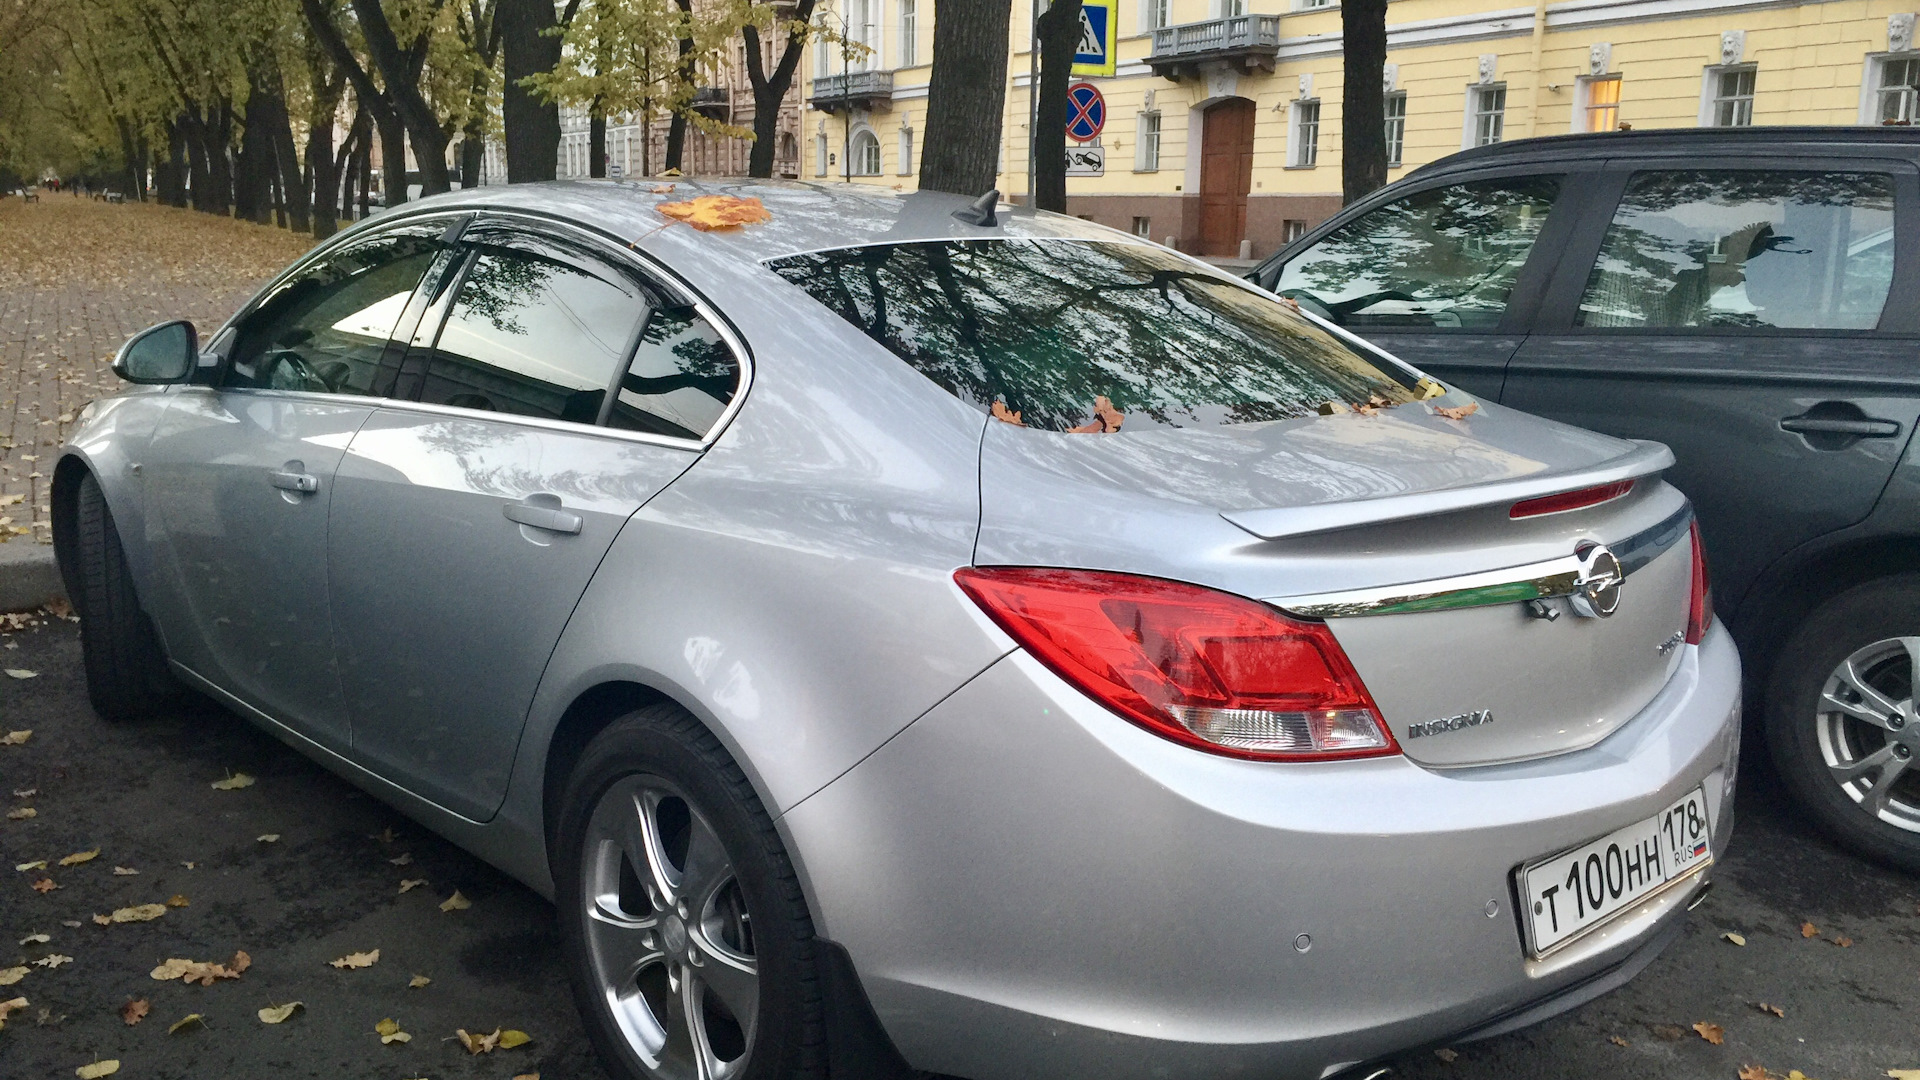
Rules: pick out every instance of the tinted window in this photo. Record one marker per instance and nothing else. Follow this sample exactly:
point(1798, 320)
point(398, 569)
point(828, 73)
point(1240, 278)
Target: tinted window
point(325, 329)
point(1046, 327)
point(535, 330)
point(1445, 258)
point(681, 379)
point(1745, 249)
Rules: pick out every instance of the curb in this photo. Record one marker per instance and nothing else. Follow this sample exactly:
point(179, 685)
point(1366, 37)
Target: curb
point(29, 576)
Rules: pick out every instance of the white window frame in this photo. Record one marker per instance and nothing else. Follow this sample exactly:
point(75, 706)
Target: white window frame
point(1155, 14)
point(1229, 9)
point(906, 150)
point(1470, 131)
point(1873, 87)
point(856, 151)
point(909, 31)
point(1396, 128)
point(1315, 5)
point(1147, 135)
point(1710, 99)
point(1143, 227)
point(1303, 152)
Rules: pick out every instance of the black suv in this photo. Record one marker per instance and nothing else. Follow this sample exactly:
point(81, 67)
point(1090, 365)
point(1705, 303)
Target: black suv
point(1751, 298)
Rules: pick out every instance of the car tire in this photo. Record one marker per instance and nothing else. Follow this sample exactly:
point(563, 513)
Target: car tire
point(127, 674)
point(670, 880)
point(1849, 662)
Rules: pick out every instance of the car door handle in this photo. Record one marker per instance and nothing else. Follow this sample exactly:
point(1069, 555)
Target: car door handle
point(1866, 428)
point(292, 479)
point(544, 514)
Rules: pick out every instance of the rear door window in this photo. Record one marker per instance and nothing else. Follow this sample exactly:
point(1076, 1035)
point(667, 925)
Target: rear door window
point(682, 377)
point(1446, 258)
point(1084, 335)
point(1744, 250)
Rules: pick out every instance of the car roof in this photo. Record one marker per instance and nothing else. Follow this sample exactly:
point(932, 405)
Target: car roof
point(1771, 141)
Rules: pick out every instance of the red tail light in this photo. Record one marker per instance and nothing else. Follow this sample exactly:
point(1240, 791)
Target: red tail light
point(1570, 500)
point(1208, 669)
point(1700, 606)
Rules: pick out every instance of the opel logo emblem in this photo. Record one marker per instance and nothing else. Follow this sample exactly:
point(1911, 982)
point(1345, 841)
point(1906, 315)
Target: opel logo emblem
point(1596, 591)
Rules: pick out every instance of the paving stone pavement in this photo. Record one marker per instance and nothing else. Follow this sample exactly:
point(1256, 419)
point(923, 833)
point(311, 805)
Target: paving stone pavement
point(76, 278)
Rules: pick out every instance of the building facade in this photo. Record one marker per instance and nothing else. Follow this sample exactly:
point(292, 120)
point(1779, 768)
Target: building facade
point(1223, 117)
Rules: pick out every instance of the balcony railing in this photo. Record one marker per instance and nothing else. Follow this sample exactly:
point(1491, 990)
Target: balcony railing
point(1245, 42)
point(857, 89)
point(712, 101)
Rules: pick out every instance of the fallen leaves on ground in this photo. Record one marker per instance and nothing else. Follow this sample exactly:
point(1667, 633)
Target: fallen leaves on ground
point(1756, 1072)
point(1457, 412)
point(404, 858)
point(37, 864)
point(357, 960)
point(124, 871)
point(456, 902)
point(1618, 1041)
point(268, 838)
point(385, 835)
point(7, 1008)
point(1843, 941)
point(203, 973)
point(511, 1038)
point(417, 982)
point(1773, 1009)
point(25, 793)
point(52, 960)
point(21, 673)
point(136, 913)
point(187, 1021)
point(98, 1069)
point(233, 783)
point(22, 814)
point(35, 939)
point(135, 1011)
point(275, 1014)
point(1904, 1074)
point(710, 212)
point(527, 1076)
point(1733, 937)
point(79, 857)
point(389, 1032)
point(1808, 930)
point(410, 884)
point(1711, 1032)
point(478, 1044)
point(1669, 1032)
point(44, 885)
point(9, 976)
point(178, 900)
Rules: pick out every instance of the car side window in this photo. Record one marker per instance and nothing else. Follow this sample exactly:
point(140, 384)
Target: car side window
point(325, 330)
point(537, 328)
point(1745, 250)
point(1444, 258)
point(681, 380)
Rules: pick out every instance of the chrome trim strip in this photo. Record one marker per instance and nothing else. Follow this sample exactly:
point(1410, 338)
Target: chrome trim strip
point(1513, 585)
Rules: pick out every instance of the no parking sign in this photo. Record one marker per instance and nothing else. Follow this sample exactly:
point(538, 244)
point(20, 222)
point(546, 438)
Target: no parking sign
point(1086, 112)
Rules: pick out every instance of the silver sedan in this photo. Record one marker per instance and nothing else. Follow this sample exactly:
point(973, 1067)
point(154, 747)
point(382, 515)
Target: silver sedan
point(905, 633)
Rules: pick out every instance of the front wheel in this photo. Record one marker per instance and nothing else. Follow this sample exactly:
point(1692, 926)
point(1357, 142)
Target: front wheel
point(1842, 723)
point(127, 673)
point(688, 941)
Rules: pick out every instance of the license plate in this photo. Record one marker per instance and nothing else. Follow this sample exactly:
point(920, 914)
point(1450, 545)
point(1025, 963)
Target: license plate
point(1572, 892)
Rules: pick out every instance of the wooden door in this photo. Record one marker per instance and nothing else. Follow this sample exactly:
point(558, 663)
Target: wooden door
point(1226, 175)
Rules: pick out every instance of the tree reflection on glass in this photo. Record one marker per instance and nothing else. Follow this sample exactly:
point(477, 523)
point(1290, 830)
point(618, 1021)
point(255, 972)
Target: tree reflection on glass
point(1048, 326)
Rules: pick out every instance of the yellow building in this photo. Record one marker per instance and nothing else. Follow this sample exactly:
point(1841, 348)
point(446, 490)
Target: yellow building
point(1223, 123)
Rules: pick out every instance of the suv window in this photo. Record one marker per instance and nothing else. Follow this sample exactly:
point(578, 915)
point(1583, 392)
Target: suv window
point(536, 329)
point(325, 329)
point(1745, 250)
point(1445, 258)
point(1046, 328)
point(681, 379)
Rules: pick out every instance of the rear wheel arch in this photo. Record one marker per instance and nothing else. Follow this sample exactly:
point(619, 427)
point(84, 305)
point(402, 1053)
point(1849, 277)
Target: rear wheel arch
point(65, 500)
point(585, 717)
point(1797, 585)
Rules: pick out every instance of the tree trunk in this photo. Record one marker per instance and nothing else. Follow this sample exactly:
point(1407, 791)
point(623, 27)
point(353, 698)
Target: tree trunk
point(597, 143)
point(393, 157)
point(966, 96)
point(253, 168)
point(1059, 40)
point(366, 172)
point(143, 156)
point(532, 125)
point(770, 87)
point(170, 179)
point(130, 168)
point(677, 123)
point(1363, 104)
point(199, 181)
point(402, 76)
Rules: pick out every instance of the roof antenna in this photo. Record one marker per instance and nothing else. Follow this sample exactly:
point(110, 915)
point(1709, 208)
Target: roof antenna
point(980, 210)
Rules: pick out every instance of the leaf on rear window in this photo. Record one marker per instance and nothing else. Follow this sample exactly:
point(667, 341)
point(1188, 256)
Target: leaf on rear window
point(79, 857)
point(135, 1011)
point(456, 902)
point(1427, 389)
point(1711, 1032)
point(389, 1032)
point(234, 782)
point(357, 960)
point(277, 1014)
point(1005, 415)
point(1106, 419)
point(710, 212)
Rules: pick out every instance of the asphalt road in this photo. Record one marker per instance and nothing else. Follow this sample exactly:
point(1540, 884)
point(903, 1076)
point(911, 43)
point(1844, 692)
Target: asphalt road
point(329, 887)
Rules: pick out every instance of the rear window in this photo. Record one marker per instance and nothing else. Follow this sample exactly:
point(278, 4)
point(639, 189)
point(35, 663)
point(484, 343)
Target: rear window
point(1045, 328)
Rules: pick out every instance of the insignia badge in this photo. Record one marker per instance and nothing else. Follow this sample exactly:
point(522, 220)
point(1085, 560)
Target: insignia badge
point(1450, 723)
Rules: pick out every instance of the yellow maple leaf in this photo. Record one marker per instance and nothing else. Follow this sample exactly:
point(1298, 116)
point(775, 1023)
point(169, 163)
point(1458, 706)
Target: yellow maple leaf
point(276, 1014)
point(357, 960)
point(79, 857)
point(710, 212)
point(389, 1032)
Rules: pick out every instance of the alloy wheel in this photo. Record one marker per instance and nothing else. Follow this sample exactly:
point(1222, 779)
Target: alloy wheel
point(668, 933)
point(1869, 732)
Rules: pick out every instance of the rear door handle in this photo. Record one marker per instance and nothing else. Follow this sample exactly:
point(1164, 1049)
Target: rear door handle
point(1867, 428)
point(543, 512)
point(294, 478)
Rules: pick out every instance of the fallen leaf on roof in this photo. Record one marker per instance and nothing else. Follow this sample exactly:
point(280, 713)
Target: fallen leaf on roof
point(717, 212)
point(417, 982)
point(177, 900)
point(1733, 937)
point(1808, 930)
point(1711, 1032)
point(22, 673)
point(22, 814)
point(410, 884)
point(135, 1011)
point(1106, 419)
point(98, 1069)
point(456, 902)
point(44, 885)
point(389, 1032)
point(187, 1021)
point(268, 838)
point(52, 960)
point(478, 1044)
point(35, 939)
point(124, 871)
point(357, 960)
point(511, 1038)
point(137, 913)
point(403, 859)
point(1774, 1009)
point(275, 1014)
point(37, 864)
point(999, 411)
point(1457, 412)
point(9, 976)
point(79, 857)
point(233, 783)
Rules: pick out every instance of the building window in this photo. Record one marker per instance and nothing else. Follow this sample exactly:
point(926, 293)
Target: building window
point(1899, 93)
point(1229, 9)
point(1146, 146)
point(864, 154)
point(1309, 5)
point(1601, 101)
point(1486, 114)
point(1155, 14)
point(909, 33)
point(1143, 228)
point(820, 154)
point(1396, 126)
point(906, 150)
point(1291, 230)
point(1306, 135)
point(1731, 97)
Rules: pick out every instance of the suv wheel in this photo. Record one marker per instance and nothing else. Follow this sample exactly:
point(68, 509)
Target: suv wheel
point(127, 673)
point(688, 941)
point(1842, 722)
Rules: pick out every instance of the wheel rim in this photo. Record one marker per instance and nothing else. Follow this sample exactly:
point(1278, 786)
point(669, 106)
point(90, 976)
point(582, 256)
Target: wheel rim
point(668, 933)
point(1869, 732)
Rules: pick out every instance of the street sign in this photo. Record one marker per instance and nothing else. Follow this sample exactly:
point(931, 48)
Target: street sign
point(613, 171)
point(1086, 112)
point(1099, 29)
point(1088, 159)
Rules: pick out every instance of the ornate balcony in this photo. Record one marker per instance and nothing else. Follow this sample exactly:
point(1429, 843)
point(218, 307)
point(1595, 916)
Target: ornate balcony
point(855, 90)
point(1246, 43)
point(714, 102)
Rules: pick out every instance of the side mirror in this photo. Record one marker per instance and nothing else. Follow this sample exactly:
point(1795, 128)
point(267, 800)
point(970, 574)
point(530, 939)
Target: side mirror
point(159, 354)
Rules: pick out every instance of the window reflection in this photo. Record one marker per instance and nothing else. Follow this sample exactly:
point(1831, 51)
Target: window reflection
point(682, 377)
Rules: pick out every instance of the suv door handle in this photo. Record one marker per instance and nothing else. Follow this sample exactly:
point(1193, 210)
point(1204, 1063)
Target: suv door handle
point(1867, 428)
point(294, 478)
point(542, 511)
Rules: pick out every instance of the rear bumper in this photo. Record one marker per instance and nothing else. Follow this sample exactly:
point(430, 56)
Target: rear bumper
point(1031, 886)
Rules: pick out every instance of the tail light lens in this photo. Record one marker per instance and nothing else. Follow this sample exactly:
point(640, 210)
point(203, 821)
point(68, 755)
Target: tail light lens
point(1700, 604)
point(1570, 500)
point(1207, 669)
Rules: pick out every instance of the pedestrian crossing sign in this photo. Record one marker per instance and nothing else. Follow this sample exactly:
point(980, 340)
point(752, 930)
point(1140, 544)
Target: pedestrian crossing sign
point(1099, 25)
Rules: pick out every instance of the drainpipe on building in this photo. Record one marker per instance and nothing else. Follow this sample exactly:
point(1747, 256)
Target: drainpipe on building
point(1539, 77)
point(1033, 95)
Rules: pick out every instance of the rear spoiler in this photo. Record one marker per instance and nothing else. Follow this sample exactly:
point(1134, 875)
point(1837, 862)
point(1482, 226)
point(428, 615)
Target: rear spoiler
point(1280, 522)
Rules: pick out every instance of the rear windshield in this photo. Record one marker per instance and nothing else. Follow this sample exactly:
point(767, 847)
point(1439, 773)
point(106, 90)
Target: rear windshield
point(1038, 331)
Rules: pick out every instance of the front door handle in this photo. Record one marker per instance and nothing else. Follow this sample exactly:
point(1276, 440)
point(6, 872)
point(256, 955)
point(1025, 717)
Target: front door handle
point(542, 511)
point(1866, 428)
point(294, 477)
